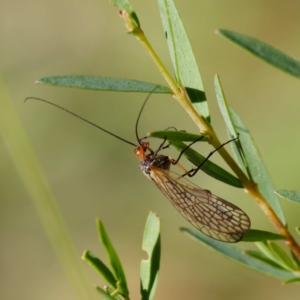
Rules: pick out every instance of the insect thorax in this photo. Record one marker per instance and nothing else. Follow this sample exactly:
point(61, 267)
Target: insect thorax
point(160, 161)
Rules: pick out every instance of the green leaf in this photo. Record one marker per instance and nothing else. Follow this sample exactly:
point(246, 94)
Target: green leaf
point(182, 56)
point(198, 99)
point(263, 258)
point(113, 259)
point(177, 136)
point(150, 266)
point(274, 252)
point(293, 196)
point(224, 107)
point(209, 167)
point(295, 260)
point(264, 247)
point(238, 150)
point(281, 256)
point(259, 235)
point(237, 254)
point(112, 292)
point(257, 169)
point(124, 5)
point(264, 51)
point(98, 83)
point(100, 267)
point(292, 280)
point(298, 230)
point(104, 294)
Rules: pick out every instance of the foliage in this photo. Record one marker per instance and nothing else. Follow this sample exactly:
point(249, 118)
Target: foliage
point(116, 277)
point(250, 172)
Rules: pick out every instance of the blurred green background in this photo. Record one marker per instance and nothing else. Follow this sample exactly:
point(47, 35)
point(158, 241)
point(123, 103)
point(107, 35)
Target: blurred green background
point(94, 175)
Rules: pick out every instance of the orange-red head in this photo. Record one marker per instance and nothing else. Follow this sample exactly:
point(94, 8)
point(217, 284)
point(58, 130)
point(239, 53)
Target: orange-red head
point(140, 151)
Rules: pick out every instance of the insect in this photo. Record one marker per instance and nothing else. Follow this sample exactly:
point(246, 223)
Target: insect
point(210, 214)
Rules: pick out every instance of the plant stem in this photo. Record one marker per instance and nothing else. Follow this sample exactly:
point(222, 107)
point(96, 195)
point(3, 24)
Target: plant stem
point(250, 187)
point(144, 41)
point(254, 192)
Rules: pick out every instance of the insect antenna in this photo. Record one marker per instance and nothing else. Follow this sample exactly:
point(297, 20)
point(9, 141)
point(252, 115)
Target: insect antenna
point(81, 118)
point(140, 113)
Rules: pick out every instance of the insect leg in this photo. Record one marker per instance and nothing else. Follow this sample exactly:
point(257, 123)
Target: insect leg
point(193, 172)
point(175, 162)
point(161, 147)
point(179, 166)
point(170, 127)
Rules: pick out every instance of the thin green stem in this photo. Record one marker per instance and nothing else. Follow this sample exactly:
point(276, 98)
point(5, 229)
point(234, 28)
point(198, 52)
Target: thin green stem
point(179, 93)
point(161, 67)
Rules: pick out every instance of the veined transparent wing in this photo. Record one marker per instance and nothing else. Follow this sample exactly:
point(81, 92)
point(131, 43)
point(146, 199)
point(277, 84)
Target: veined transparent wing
point(212, 215)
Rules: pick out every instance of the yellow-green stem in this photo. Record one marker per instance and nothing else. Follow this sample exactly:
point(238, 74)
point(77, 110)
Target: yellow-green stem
point(178, 93)
point(144, 41)
point(254, 192)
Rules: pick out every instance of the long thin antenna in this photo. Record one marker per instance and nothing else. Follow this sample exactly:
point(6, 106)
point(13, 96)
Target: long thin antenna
point(140, 113)
point(85, 120)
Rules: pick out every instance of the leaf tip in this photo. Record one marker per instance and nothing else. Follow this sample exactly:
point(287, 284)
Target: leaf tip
point(154, 213)
point(216, 77)
point(85, 254)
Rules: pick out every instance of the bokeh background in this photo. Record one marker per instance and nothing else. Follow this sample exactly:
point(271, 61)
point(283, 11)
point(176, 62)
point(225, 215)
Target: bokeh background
point(94, 175)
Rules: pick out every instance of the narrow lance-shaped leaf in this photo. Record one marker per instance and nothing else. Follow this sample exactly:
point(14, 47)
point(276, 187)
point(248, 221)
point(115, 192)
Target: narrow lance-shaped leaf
point(104, 294)
point(263, 258)
point(293, 196)
point(292, 280)
point(281, 256)
point(182, 56)
point(224, 107)
point(295, 260)
point(178, 136)
point(150, 266)
point(237, 254)
point(209, 167)
point(100, 267)
point(99, 83)
point(110, 291)
point(113, 259)
point(274, 252)
point(264, 51)
point(256, 166)
point(260, 235)
point(198, 99)
point(264, 247)
point(237, 147)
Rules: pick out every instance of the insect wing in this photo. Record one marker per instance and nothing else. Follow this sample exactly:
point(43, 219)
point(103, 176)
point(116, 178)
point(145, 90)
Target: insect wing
point(212, 215)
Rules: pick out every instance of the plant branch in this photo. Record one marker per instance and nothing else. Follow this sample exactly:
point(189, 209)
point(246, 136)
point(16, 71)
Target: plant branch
point(206, 129)
point(254, 192)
